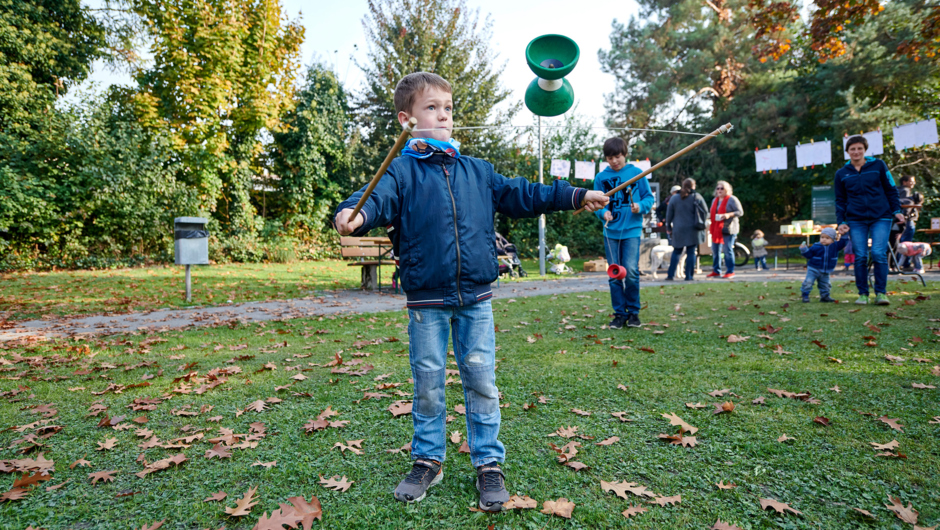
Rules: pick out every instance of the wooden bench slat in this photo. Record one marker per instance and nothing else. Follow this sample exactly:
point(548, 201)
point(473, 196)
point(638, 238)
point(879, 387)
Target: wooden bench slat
point(363, 252)
point(365, 263)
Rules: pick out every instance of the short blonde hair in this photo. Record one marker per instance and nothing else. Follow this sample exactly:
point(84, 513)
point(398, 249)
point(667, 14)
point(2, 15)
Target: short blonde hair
point(724, 183)
point(413, 84)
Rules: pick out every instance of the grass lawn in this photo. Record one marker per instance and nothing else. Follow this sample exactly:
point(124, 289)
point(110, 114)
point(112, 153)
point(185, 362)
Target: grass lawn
point(554, 348)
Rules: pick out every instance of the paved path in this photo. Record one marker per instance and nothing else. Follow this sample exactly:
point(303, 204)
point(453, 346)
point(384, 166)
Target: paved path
point(327, 303)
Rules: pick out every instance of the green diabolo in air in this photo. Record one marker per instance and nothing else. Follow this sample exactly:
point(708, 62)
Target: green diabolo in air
point(551, 58)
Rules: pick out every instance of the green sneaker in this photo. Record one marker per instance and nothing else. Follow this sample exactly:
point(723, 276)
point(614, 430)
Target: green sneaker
point(881, 299)
point(862, 300)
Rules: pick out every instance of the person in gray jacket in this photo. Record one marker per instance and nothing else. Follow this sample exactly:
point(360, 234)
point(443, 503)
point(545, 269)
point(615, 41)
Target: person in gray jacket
point(685, 224)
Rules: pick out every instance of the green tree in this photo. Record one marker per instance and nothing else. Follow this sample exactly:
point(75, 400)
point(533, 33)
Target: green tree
point(438, 36)
point(714, 65)
point(222, 75)
point(312, 155)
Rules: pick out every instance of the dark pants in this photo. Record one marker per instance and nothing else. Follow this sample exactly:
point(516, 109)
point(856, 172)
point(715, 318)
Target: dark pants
point(689, 261)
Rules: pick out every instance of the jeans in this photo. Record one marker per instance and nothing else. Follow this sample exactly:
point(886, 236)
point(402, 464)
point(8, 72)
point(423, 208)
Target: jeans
point(689, 261)
point(812, 276)
point(624, 294)
point(878, 231)
point(475, 351)
point(908, 235)
point(760, 262)
point(724, 252)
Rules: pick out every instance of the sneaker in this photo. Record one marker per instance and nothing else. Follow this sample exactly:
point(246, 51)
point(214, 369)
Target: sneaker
point(918, 271)
point(862, 300)
point(805, 298)
point(492, 487)
point(668, 279)
point(881, 299)
point(713, 275)
point(424, 474)
point(826, 299)
point(633, 321)
point(617, 322)
point(728, 276)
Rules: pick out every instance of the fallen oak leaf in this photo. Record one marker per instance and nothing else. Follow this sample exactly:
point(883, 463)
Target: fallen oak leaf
point(893, 444)
point(562, 508)
point(633, 510)
point(784, 438)
point(101, 475)
point(266, 465)
point(720, 525)
point(621, 489)
point(677, 421)
point(727, 406)
point(722, 486)
point(217, 496)
point(107, 444)
point(28, 480)
point(57, 486)
point(865, 512)
point(14, 494)
point(285, 515)
point(154, 526)
point(679, 439)
point(218, 451)
point(400, 408)
point(609, 441)
point(577, 466)
point(907, 514)
point(520, 503)
point(244, 504)
point(822, 420)
point(920, 385)
point(695, 405)
point(892, 422)
point(779, 507)
point(79, 462)
point(666, 501)
point(336, 483)
point(455, 437)
point(306, 510)
point(620, 416)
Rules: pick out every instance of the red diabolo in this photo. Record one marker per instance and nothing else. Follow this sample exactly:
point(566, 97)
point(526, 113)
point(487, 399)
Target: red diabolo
point(617, 272)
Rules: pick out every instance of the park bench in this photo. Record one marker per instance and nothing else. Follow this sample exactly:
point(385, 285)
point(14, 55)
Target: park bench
point(379, 249)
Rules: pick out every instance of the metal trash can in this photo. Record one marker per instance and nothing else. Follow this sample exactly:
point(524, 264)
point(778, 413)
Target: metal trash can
point(191, 245)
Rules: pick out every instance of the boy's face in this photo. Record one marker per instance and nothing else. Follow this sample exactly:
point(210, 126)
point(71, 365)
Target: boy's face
point(857, 152)
point(616, 162)
point(825, 240)
point(433, 108)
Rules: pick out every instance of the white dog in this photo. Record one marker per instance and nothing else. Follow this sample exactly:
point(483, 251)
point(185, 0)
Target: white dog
point(661, 254)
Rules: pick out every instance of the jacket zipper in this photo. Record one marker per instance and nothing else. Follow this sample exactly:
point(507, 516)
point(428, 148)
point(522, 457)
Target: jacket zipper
point(456, 235)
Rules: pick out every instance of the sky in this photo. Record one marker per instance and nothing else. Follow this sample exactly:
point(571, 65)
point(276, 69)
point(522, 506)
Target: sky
point(334, 34)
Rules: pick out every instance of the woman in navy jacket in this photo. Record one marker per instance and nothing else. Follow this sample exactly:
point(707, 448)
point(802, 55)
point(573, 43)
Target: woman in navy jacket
point(866, 205)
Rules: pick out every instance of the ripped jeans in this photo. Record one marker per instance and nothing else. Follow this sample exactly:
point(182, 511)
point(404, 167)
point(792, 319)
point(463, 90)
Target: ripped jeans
point(475, 351)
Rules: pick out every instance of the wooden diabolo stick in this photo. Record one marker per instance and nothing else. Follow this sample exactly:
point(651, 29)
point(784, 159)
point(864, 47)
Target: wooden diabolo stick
point(388, 160)
point(723, 129)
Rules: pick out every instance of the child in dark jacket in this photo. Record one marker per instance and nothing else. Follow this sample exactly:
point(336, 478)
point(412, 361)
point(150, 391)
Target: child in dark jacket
point(442, 205)
point(821, 259)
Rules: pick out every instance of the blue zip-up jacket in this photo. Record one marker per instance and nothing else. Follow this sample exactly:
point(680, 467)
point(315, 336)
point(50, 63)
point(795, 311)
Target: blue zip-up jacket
point(866, 195)
point(625, 223)
point(442, 209)
point(824, 257)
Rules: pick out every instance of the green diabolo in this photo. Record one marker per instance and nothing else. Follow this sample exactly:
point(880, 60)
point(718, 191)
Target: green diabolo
point(551, 58)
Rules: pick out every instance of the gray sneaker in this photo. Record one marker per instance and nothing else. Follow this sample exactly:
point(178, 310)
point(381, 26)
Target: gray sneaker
point(424, 474)
point(492, 488)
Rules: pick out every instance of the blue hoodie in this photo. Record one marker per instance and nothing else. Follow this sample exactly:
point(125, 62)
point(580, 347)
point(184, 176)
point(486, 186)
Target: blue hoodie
point(824, 257)
point(866, 195)
point(625, 223)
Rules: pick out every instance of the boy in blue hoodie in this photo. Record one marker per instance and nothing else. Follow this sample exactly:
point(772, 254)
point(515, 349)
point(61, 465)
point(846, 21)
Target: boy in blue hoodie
point(821, 259)
point(623, 222)
point(441, 205)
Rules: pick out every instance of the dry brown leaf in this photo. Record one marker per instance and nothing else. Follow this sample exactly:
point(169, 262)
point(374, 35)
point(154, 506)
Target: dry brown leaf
point(565, 432)
point(727, 406)
point(306, 510)
point(154, 526)
point(865, 513)
point(676, 420)
point(907, 514)
point(218, 451)
point(893, 423)
point(609, 441)
point(28, 480)
point(920, 385)
point(779, 507)
point(266, 465)
point(285, 515)
point(633, 510)
point(822, 420)
point(101, 475)
point(455, 437)
point(353, 445)
point(57, 486)
point(577, 466)
point(336, 483)
point(720, 525)
point(580, 412)
point(622, 488)
point(107, 444)
point(244, 504)
point(622, 387)
point(562, 508)
point(517, 502)
point(622, 416)
point(666, 501)
point(464, 448)
point(893, 444)
point(79, 462)
point(735, 338)
point(695, 405)
point(217, 496)
point(14, 494)
point(784, 438)
point(722, 486)
point(400, 408)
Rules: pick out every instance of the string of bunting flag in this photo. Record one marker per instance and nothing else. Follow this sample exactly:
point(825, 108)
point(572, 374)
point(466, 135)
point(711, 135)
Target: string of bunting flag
point(812, 154)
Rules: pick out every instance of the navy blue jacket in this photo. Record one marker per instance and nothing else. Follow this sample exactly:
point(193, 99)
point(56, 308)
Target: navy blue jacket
point(442, 209)
point(823, 257)
point(866, 195)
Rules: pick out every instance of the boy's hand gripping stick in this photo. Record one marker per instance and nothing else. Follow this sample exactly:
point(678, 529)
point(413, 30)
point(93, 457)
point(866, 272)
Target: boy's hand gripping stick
point(723, 129)
point(388, 160)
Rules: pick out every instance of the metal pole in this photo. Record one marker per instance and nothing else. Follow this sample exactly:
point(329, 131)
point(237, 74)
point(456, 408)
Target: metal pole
point(189, 285)
point(541, 217)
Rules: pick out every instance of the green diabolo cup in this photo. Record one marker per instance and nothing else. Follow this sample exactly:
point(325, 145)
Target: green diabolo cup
point(551, 58)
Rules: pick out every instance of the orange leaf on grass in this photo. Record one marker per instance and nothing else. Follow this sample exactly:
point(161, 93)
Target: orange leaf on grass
point(562, 508)
point(727, 406)
point(28, 480)
point(822, 420)
point(464, 448)
point(244, 504)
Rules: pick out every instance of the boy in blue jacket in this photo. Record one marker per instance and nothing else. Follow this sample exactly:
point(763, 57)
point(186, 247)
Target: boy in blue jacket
point(441, 205)
point(821, 259)
point(623, 222)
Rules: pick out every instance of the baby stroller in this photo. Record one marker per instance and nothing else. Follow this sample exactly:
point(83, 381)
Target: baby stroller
point(508, 257)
